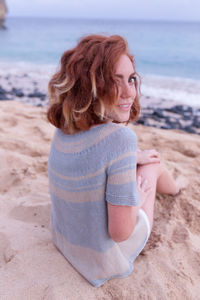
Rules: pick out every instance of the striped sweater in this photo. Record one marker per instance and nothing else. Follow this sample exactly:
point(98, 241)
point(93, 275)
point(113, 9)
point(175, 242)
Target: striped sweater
point(87, 170)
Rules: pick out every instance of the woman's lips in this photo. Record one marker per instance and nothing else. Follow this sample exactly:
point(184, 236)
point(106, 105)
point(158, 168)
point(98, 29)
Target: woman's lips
point(125, 106)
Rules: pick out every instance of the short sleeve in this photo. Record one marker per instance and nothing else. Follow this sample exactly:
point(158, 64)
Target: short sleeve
point(121, 187)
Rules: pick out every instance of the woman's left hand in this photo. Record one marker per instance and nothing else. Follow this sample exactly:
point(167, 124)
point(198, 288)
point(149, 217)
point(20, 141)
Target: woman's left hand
point(147, 156)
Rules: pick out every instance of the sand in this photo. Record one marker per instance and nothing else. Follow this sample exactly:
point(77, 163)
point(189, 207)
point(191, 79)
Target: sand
point(30, 265)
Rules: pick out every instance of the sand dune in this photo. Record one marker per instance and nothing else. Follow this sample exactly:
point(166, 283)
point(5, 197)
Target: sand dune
point(30, 265)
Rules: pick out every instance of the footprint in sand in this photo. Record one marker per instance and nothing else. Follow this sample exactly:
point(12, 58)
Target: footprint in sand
point(180, 234)
point(41, 166)
point(13, 171)
point(153, 242)
point(165, 204)
point(8, 122)
point(40, 132)
point(188, 152)
point(38, 214)
point(194, 261)
point(10, 179)
point(185, 150)
point(21, 147)
point(181, 183)
point(191, 215)
point(6, 252)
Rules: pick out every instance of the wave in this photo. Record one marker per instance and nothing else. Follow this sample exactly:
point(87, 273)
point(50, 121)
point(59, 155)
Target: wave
point(182, 90)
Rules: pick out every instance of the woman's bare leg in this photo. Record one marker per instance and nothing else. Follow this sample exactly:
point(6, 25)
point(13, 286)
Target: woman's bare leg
point(166, 184)
point(160, 180)
point(151, 173)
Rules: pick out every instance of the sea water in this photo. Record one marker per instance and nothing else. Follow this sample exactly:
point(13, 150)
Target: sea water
point(167, 54)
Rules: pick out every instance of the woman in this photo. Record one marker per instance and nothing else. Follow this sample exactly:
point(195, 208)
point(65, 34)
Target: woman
point(102, 188)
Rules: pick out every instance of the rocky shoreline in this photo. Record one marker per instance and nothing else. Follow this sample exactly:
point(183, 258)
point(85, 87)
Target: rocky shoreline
point(32, 90)
point(181, 117)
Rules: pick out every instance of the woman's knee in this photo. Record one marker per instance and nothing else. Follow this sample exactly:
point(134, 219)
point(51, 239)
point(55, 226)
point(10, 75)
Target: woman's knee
point(152, 170)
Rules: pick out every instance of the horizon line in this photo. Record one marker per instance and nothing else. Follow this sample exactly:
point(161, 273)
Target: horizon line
point(103, 18)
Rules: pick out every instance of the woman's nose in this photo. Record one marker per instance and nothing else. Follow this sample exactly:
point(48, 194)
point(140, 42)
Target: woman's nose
point(127, 91)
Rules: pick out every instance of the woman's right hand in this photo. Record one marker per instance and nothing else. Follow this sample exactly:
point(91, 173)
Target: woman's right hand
point(147, 156)
point(144, 189)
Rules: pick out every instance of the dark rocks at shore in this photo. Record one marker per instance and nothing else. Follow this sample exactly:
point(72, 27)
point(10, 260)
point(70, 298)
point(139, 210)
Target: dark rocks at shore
point(3, 94)
point(180, 109)
point(181, 117)
point(16, 93)
point(37, 94)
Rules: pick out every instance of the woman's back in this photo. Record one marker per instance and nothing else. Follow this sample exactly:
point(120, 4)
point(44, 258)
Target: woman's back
point(86, 170)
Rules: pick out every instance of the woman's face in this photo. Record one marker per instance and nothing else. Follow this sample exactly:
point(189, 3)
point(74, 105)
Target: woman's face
point(125, 76)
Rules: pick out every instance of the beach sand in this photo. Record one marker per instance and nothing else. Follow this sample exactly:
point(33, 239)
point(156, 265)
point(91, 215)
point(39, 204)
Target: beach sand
point(30, 265)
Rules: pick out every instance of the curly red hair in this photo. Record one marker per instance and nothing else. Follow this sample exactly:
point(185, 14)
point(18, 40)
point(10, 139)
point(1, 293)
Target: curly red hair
point(85, 84)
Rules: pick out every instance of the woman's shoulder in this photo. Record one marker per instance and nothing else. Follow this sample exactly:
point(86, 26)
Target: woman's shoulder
point(107, 129)
point(122, 132)
point(106, 137)
point(120, 137)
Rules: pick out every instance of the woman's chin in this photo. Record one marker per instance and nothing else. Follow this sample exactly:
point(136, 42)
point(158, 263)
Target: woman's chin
point(119, 117)
point(123, 119)
point(120, 120)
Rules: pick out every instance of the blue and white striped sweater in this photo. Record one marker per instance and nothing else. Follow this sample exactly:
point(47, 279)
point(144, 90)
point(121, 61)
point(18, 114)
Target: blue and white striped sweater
point(87, 170)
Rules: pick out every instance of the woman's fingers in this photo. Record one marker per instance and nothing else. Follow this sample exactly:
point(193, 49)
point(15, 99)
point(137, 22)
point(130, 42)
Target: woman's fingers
point(154, 153)
point(139, 180)
point(154, 159)
point(154, 156)
point(144, 188)
point(143, 184)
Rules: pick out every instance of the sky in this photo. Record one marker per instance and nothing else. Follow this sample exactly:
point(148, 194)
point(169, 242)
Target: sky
point(169, 10)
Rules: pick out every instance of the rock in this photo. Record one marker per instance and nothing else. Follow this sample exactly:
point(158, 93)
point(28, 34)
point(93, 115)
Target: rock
point(196, 122)
point(179, 109)
point(17, 92)
point(188, 129)
point(2, 98)
point(2, 91)
point(3, 94)
point(173, 124)
point(187, 117)
point(165, 126)
point(140, 121)
point(158, 113)
point(37, 94)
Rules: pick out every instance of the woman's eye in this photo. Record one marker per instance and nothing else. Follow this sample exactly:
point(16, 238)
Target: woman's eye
point(132, 79)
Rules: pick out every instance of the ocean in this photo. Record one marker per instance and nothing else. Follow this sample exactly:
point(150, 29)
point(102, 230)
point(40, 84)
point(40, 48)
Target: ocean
point(167, 54)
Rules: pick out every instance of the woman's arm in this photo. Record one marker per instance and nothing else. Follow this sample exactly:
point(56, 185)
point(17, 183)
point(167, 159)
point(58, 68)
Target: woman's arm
point(122, 219)
point(146, 156)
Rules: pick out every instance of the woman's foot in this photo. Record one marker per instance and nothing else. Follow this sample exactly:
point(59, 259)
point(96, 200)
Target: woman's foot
point(181, 184)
